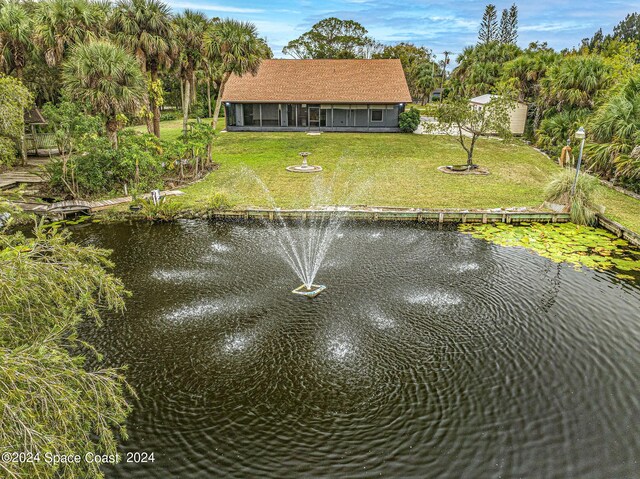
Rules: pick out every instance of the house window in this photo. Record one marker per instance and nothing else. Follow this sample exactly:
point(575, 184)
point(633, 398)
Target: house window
point(376, 115)
point(251, 114)
point(231, 114)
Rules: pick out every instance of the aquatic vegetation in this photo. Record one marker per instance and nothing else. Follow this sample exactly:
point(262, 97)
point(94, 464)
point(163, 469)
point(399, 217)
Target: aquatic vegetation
point(587, 246)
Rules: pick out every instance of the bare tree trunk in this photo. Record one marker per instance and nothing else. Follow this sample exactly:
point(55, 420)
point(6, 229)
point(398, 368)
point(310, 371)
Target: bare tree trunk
point(209, 95)
point(154, 105)
point(216, 113)
point(185, 105)
point(23, 149)
point(470, 152)
point(537, 118)
point(112, 132)
point(194, 89)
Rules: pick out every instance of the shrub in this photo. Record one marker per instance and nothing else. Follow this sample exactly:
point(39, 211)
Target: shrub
point(70, 125)
point(165, 210)
point(8, 152)
point(409, 120)
point(219, 201)
point(170, 115)
point(582, 204)
point(98, 168)
point(556, 128)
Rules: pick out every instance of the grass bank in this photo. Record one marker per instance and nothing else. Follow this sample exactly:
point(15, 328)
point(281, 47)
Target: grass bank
point(379, 169)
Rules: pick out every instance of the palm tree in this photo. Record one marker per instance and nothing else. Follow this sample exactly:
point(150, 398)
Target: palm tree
point(575, 82)
point(189, 28)
point(480, 67)
point(556, 128)
point(615, 131)
point(525, 74)
point(106, 78)
point(61, 24)
point(145, 29)
point(16, 29)
point(424, 79)
point(237, 48)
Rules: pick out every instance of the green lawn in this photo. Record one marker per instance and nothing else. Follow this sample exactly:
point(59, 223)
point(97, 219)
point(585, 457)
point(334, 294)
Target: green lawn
point(378, 169)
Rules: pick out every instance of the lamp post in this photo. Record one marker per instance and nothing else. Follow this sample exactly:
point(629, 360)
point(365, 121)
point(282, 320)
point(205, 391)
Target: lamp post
point(580, 135)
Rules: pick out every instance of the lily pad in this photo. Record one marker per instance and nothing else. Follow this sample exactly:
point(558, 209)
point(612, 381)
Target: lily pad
point(580, 246)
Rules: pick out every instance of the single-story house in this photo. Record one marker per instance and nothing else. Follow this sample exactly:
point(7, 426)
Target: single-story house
point(517, 114)
point(321, 95)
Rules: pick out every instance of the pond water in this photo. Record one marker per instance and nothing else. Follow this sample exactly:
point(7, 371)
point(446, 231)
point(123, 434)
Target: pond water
point(431, 354)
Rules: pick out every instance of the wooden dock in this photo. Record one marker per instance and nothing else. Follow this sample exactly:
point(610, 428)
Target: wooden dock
point(64, 208)
point(19, 175)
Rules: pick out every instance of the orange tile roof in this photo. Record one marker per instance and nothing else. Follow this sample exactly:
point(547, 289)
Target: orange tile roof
point(321, 81)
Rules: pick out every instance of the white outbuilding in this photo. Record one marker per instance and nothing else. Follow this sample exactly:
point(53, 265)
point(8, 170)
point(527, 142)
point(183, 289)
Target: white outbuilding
point(518, 114)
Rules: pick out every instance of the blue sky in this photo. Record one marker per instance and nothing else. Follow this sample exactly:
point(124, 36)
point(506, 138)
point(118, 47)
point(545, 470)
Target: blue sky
point(439, 25)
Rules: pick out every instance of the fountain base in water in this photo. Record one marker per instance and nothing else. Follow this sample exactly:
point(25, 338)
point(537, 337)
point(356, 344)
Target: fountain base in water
point(311, 292)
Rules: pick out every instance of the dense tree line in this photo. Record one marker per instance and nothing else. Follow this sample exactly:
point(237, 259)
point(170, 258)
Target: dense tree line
point(594, 85)
point(49, 46)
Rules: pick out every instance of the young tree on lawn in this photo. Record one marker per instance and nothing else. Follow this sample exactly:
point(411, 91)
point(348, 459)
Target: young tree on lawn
point(106, 78)
point(145, 29)
point(238, 50)
point(468, 122)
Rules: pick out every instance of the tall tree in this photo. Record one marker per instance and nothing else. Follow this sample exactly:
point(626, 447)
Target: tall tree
point(145, 29)
point(628, 29)
point(509, 25)
point(480, 68)
point(331, 38)
point(425, 80)
point(489, 27)
point(61, 24)
point(418, 65)
point(615, 131)
point(237, 49)
point(106, 78)
point(190, 27)
point(16, 31)
point(575, 82)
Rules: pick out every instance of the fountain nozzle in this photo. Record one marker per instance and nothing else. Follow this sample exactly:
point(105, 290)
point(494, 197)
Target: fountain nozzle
point(310, 291)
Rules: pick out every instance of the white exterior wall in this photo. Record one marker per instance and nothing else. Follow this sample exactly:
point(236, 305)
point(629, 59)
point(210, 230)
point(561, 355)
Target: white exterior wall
point(518, 118)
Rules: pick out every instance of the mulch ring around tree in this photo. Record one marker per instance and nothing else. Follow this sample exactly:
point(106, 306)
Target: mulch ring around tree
point(464, 170)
